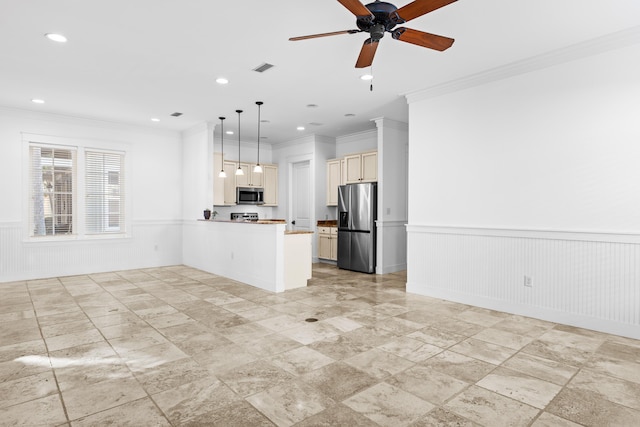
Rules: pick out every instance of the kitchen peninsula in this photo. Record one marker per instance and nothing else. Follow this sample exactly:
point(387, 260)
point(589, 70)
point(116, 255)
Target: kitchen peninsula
point(259, 253)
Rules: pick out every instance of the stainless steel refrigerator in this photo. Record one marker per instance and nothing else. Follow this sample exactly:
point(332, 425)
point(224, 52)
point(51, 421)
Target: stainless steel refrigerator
point(357, 213)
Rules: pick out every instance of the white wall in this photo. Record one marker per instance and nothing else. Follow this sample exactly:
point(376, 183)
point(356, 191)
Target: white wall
point(156, 200)
point(536, 174)
point(356, 143)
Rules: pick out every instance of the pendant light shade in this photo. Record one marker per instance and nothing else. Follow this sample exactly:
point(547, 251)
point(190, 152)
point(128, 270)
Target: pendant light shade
point(258, 168)
point(222, 173)
point(239, 170)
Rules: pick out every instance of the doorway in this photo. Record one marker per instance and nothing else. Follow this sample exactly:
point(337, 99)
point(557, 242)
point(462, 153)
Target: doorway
point(301, 196)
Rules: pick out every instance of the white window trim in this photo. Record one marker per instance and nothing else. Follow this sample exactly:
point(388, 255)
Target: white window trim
point(80, 145)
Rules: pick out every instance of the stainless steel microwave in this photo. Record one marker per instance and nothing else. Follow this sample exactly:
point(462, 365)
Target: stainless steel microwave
point(250, 195)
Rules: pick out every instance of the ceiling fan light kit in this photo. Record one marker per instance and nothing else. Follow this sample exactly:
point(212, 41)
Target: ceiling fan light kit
point(379, 17)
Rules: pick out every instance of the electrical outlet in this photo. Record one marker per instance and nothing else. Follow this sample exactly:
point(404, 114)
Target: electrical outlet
point(528, 281)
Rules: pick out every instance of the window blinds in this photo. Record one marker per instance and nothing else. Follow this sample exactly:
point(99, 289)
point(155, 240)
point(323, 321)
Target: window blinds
point(104, 196)
point(52, 180)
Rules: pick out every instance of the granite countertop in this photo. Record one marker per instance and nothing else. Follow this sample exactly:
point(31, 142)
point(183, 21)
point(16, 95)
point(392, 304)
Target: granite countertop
point(327, 223)
point(298, 232)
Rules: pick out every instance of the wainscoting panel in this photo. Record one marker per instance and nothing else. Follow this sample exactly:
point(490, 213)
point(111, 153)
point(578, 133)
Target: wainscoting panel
point(151, 244)
point(575, 278)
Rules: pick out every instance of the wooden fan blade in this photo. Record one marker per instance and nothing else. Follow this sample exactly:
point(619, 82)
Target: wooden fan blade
point(420, 38)
point(313, 36)
point(367, 53)
point(356, 7)
point(420, 7)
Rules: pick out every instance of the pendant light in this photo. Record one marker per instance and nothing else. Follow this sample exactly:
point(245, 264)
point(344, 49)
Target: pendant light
point(258, 168)
point(222, 173)
point(239, 170)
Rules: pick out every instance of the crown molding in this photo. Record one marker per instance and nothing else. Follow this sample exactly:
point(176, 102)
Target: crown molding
point(592, 47)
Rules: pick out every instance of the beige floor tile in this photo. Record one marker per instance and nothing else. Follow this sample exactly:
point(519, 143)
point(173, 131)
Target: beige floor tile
point(587, 408)
point(615, 367)
point(379, 363)
point(340, 347)
point(491, 409)
point(193, 399)
point(428, 384)
point(443, 418)
point(300, 360)
point(545, 369)
point(388, 405)
point(92, 398)
point(152, 357)
point(503, 338)
point(523, 388)
point(23, 389)
point(487, 352)
point(438, 338)
point(289, 403)
point(171, 375)
point(133, 414)
point(459, 366)
point(310, 332)
point(255, 377)
point(236, 414)
point(339, 380)
point(615, 390)
point(411, 349)
point(549, 420)
point(337, 415)
point(270, 345)
point(46, 411)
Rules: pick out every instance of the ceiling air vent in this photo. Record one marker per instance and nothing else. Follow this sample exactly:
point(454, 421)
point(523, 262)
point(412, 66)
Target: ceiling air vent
point(263, 67)
point(176, 114)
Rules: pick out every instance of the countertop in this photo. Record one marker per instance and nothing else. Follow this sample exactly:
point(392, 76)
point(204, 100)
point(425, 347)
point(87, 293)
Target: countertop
point(327, 223)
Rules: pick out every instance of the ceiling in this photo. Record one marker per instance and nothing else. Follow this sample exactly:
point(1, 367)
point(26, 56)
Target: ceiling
point(129, 61)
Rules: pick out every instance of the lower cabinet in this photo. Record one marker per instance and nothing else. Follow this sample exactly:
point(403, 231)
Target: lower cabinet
point(328, 243)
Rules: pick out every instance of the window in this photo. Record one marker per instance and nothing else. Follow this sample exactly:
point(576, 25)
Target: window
point(104, 192)
point(62, 178)
point(52, 190)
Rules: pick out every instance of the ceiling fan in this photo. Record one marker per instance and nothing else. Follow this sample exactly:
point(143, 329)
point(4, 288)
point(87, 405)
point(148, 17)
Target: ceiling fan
point(378, 17)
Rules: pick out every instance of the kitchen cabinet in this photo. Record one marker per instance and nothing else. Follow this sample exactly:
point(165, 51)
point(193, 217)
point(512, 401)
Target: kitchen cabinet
point(361, 167)
point(333, 181)
point(328, 243)
point(270, 180)
point(224, 189)
point(250, 178)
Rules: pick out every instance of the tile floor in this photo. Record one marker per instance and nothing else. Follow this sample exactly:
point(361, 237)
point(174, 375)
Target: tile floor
point(178, 346)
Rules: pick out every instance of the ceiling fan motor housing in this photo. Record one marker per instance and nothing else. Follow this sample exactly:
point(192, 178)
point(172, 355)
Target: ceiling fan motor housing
point(384, 19)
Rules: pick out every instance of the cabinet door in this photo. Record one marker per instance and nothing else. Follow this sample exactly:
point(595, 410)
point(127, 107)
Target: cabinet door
point(270, 178)
point(243, 180)
point(257, 179)
point(230, 183)
point(324, 246)
point(334, 244)
point(343, 172)
point(353, 168)
point(333, 181)
point(369, 167)
point(218, 183)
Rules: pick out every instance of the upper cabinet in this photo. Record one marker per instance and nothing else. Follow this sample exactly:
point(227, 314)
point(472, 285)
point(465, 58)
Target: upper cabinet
point(353, 168)
point(250, 178)
point(270, 179)
point(333, 181)
point(361, 167)
point(224, 193)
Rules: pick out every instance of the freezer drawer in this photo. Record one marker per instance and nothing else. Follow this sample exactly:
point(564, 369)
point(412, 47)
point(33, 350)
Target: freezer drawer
point(356, 251)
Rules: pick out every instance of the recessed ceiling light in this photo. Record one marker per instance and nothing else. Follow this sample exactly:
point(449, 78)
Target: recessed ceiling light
point(265, 121)
point(312, 106)
point(300, 128)
point(38, 101)
point(155, 119)
point(349, 115)
point(366, 77)
point(222, 81)
point(56, 37)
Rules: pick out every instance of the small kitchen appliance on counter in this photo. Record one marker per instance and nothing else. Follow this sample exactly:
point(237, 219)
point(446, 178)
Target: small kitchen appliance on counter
point(244, 216)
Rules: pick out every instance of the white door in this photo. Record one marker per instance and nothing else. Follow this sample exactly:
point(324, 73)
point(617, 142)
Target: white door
point(301, 196)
